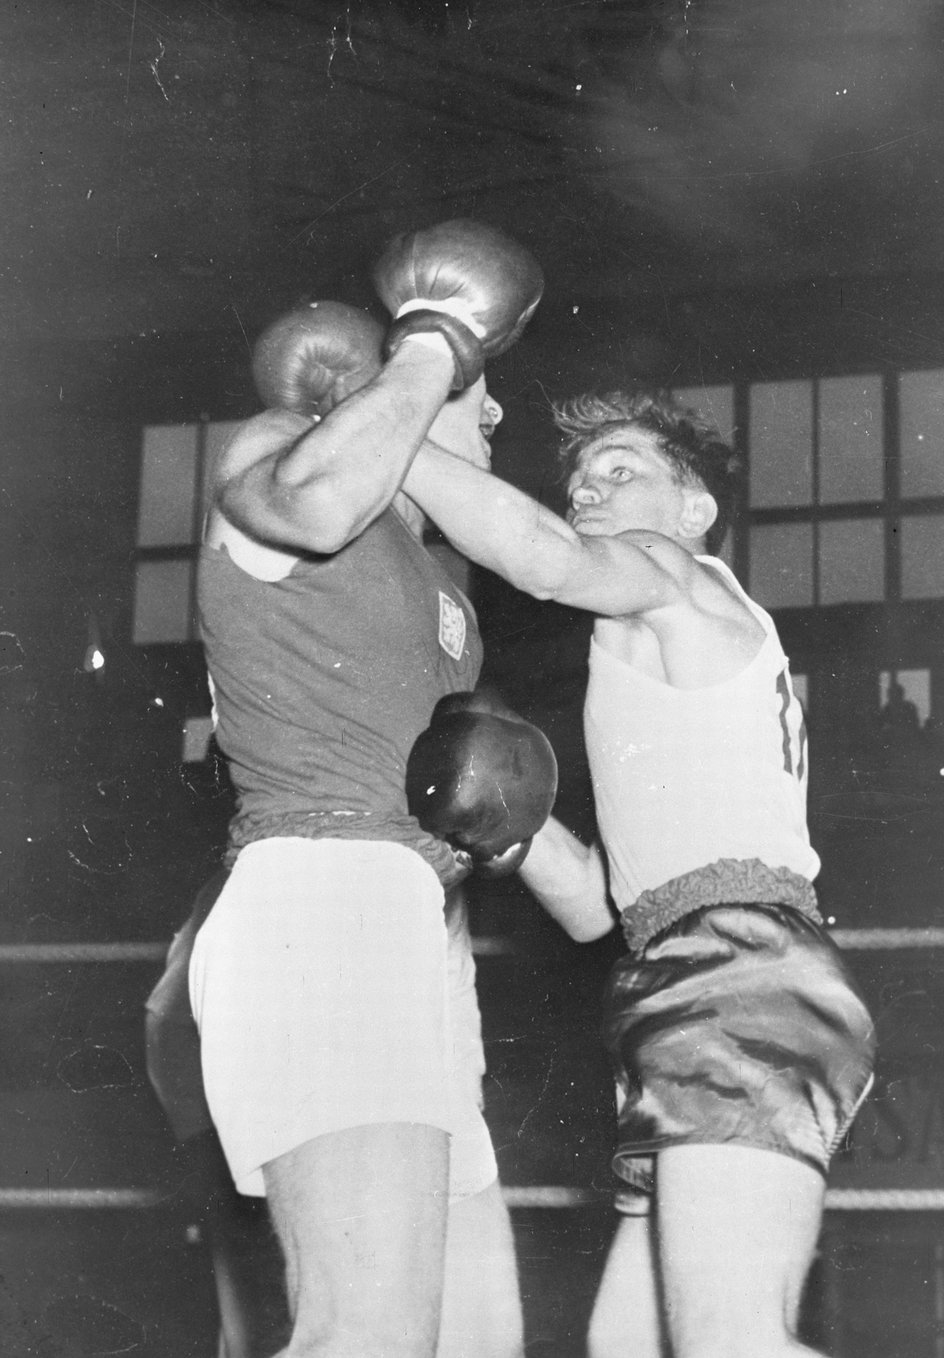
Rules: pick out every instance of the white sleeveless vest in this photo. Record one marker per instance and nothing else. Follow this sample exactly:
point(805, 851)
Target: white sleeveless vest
point(684, 778)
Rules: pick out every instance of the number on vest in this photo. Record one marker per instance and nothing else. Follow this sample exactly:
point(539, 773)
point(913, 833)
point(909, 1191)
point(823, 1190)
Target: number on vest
point(794, 742)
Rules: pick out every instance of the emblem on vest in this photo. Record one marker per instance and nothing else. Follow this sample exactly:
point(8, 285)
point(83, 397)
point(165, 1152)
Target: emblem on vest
point(451, 626)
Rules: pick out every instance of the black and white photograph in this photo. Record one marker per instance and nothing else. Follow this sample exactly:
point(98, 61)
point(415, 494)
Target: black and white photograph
point(472, 679)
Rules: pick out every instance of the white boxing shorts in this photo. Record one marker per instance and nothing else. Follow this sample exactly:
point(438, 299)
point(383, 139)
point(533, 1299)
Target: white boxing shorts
point(332, 989)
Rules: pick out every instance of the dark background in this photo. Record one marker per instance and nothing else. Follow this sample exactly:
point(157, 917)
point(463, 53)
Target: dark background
point(717, 190)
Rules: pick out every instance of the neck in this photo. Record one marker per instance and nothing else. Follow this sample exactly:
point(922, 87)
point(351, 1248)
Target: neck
point(410, 513)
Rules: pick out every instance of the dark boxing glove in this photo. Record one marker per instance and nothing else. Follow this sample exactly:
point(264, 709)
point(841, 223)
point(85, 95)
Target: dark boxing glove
point(464, 280)
point(484, 782)
point(316, 355)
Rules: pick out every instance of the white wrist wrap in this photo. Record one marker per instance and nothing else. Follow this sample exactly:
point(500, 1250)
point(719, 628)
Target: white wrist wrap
point(451, 306)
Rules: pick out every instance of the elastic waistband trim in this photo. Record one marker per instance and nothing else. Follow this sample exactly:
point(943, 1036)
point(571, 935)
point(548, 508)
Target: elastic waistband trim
point(728, 881)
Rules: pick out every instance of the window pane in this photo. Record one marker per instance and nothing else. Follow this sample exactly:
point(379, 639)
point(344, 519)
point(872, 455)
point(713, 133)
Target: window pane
point(781, 443)
point(922, 557)
point(782, 565)
point(168, 480)
point(198, 732)
point(851, 562)
point(921, 398)
point(850, 439)
point(162, 602)
point(914, 686)
point(715, 404)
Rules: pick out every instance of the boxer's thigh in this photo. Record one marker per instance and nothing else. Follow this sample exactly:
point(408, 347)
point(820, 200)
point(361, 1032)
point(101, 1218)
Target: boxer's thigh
point(361, 1217)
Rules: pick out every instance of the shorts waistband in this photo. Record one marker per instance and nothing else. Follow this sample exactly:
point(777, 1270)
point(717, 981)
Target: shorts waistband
point(728, 881)
point(246, 829)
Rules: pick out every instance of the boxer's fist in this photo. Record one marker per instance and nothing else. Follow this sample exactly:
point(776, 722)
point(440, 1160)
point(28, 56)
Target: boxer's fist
point(464, 280)
point(482, 780)
point(316, 355)
point(503, 864)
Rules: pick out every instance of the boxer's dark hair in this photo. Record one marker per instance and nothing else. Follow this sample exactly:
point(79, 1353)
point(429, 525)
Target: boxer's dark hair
point(689, 443)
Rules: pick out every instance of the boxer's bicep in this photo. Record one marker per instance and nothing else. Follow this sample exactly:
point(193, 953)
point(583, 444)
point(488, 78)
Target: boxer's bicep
point(618, 576)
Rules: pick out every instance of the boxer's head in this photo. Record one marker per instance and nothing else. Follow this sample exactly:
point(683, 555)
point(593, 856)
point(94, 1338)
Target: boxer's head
point(695, 451)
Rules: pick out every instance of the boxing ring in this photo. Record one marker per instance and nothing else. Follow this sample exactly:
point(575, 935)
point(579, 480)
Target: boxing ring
point(518, 1197)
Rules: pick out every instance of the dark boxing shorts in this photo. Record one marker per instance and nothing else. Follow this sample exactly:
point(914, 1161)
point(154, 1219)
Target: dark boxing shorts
point(739, 1025)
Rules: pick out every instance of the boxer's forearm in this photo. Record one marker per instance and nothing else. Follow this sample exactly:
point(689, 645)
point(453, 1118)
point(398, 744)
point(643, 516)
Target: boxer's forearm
point(318, 488)
point(491, 521)
point(501, 528)
point(569, 879)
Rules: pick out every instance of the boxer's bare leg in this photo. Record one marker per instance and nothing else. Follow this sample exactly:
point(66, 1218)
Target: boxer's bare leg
point(361, 1217)
point(627, 1316)
point(481, 1313)
point(737, 1233)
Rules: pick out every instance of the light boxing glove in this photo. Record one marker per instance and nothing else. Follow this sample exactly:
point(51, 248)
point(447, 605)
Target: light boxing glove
point(464, 280)
point(316, 355)
point(483, 780)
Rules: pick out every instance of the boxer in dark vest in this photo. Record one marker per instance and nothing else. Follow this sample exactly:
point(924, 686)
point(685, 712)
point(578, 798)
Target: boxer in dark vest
point(340, 1056)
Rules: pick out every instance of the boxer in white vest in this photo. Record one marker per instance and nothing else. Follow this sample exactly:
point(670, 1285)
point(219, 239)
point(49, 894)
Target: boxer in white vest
point(741, 1047)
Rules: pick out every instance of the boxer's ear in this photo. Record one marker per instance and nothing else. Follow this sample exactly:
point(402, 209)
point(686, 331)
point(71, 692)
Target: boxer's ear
point(699, 511)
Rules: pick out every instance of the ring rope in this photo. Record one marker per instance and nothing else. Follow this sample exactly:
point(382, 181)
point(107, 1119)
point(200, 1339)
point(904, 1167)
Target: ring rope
point(69, 1198)
point(837, 1199)
point(517, 1197)
point(157, 952)
point(83, 952)
point(885, 1199)
point(890, 939)
point(483, 946)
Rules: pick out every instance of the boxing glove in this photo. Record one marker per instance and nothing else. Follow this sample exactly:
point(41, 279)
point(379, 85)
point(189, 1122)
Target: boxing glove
point(464, 280)
point(484, 782)
point(316, 355)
